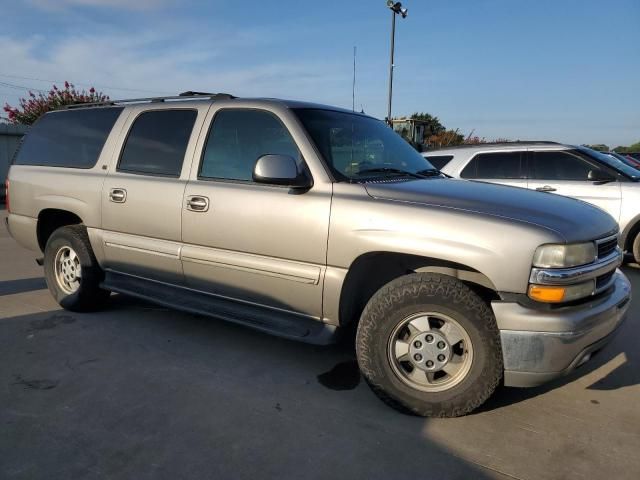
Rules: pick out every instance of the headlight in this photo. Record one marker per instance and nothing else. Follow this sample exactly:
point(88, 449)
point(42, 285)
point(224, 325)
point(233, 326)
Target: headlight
point(563, 256)
point(557, 294)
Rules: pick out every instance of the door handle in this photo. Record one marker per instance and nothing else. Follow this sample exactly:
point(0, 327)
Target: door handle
point(118, 195)
point(197, 203)
point(546, 188)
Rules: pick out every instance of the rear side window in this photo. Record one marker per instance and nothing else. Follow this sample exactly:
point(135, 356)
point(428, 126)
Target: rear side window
point(70, 138)
point(439, 161)
point(499, 165)
point(157, 142)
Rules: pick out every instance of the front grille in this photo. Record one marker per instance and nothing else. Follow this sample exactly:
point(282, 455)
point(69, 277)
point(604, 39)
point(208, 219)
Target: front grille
point(603, 280)
point(605, 247)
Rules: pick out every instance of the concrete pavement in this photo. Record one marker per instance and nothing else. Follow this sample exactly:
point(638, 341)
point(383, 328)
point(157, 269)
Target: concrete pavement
point(139, 391)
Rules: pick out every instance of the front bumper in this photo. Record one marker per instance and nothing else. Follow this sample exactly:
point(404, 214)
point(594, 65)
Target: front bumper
point(540, 345)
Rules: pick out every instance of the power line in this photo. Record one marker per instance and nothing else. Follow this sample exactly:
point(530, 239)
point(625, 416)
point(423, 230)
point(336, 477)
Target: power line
point(82, 84)
point(19, 87)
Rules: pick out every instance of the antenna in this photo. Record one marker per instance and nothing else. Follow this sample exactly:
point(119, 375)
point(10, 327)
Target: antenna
point(353, 87)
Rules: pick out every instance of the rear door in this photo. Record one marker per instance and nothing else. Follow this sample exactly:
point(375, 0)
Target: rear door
point(565, 172)
point(506, 168)
point(142, 194)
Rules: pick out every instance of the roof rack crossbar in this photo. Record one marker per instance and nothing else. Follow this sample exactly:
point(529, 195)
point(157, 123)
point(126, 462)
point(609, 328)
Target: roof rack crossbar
point(174, 98)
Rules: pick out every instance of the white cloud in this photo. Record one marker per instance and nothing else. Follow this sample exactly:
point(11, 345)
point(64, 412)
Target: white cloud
point(173, 63)
point(116, 4)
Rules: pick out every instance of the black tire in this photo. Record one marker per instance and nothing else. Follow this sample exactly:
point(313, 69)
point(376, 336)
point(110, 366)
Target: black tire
point(88, 296)
point(429, 292)
point(636, 248)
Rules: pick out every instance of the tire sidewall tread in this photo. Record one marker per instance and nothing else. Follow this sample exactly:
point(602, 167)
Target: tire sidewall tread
point(89, 295)
point(429, 292)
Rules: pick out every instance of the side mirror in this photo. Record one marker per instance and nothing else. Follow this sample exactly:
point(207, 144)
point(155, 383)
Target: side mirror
point(280, 170)
point(600, 176)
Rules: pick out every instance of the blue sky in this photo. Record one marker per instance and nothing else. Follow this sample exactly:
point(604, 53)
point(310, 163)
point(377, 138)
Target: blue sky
point(566, 70)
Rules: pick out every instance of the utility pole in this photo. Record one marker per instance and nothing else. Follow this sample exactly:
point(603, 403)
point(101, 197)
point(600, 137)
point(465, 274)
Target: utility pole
point(353, 87)
point(396, 9)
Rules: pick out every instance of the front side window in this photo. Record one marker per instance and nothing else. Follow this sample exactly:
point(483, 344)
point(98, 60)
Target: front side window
point(560, 165)
point(238, 138)
point(157, 142)
point(356, 147)
point(498, 165)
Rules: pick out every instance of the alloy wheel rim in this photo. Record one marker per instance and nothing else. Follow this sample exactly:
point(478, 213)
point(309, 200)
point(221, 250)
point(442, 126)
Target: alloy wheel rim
point(68, 270)
point(430, 351)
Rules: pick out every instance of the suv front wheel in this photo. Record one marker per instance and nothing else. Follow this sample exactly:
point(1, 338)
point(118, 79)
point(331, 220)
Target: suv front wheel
point(427, 344)
point(72, 271)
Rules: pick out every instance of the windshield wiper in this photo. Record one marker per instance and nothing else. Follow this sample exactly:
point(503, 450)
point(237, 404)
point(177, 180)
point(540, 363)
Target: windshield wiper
point(397, 171)
point(431, 172)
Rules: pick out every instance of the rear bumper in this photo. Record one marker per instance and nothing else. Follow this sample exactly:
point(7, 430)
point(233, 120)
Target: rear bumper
point(540, 345)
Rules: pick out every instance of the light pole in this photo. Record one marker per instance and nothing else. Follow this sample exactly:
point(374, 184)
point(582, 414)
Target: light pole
point(396, 9)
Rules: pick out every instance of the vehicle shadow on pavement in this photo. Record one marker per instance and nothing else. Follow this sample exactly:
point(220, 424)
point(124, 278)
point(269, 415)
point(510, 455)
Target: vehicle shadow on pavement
point(10, 287)
point(140, 391)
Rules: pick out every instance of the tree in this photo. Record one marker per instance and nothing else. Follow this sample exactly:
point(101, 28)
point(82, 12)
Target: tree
point(600, 147)
point(30, 109)
point(631, 148)
point(446, 138)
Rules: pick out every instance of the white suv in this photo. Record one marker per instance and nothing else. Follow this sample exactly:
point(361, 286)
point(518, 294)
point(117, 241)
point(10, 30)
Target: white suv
point(573, 171)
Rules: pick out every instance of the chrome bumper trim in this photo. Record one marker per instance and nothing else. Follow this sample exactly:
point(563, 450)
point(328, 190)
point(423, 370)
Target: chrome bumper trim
point(570, 276)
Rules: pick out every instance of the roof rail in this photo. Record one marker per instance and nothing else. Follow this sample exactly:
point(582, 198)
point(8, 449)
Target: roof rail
point(497, 144)
point(181, 97)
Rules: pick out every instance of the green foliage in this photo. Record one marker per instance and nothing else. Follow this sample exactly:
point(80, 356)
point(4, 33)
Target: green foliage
point(631, 148)
point(600, 147)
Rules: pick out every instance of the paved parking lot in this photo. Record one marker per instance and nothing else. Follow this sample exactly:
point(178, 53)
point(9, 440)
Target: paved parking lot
point(139, 391)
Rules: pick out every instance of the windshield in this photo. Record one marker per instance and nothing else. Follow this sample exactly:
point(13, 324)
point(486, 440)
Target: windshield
point(612, 162)
point(356, 147)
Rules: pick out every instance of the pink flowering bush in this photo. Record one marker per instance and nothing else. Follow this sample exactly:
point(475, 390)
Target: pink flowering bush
point(30, 109)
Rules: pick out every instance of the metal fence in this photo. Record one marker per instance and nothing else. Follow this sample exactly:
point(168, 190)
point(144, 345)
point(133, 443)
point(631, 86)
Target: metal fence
point(10, 136)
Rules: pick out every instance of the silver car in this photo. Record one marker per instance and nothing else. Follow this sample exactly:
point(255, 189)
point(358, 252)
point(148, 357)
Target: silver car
point(304, 221)
point(573, 171)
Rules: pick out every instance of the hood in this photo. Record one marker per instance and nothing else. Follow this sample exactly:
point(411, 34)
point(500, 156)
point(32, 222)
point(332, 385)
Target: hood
point(574, 220)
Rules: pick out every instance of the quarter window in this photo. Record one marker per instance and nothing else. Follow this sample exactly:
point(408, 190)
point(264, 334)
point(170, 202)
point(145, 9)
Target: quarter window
point(439, 161)
point(499, 165)
point(157, 142)
point(68, 138)
point(559, 166)
point(238, 138)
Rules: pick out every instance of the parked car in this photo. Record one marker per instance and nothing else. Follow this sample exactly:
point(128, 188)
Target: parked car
point(304, 220)
point(579, 172)
point(628, 159)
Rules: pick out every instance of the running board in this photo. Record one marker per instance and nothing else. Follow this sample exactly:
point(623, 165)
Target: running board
point(275, 322)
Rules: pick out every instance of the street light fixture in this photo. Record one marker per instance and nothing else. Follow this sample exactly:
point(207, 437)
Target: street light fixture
point(396, 9)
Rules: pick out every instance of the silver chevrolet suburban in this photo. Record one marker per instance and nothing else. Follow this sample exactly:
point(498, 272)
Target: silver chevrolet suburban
point(303, 220)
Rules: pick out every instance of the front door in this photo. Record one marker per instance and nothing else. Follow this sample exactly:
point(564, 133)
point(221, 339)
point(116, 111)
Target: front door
point(142, 195)
point(566, 172)
point(242, 240)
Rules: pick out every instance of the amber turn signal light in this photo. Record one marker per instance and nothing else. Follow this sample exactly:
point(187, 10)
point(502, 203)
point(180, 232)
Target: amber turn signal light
point(546, 293)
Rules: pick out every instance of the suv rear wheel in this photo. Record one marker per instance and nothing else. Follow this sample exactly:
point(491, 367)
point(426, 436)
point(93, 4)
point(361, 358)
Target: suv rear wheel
point(427, 344)
point(72, 271)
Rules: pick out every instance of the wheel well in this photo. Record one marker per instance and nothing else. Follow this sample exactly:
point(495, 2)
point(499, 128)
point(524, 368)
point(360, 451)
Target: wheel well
point(369, 272)
point(630, 237)
point(50, 219)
